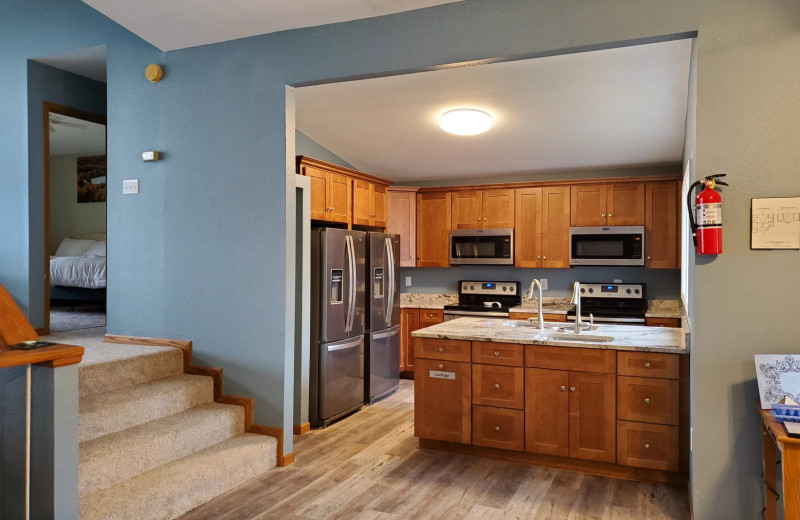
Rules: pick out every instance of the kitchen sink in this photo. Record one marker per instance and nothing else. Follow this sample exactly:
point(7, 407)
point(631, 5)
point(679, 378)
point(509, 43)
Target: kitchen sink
point(531, 324)
point(581, 337)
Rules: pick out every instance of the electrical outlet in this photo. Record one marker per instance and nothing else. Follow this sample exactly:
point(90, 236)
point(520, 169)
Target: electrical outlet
point(543, 281)
point(130, 187)
point(408, 281)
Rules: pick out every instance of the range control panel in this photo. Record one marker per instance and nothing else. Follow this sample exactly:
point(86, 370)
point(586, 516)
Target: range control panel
point(613, 290)
point(488, 288)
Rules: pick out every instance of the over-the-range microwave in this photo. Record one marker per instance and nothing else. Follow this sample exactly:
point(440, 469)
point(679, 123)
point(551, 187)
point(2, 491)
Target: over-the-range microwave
point(608, 245)
point(482, 246)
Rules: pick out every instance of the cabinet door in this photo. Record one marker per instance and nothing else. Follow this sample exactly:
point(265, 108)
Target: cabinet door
point(498, 386)
point(339, 197)
point(661, 225)
point(443, 400)
point(361, 202)
point(319, 192)
point(378, 204)
point(433, 229)
point(528, 227)
point(625, 204)
point(498, 208)
point(403, 221)
point(546, 411)
point(592, 418)
point(555, 227)
point(498, 428)
point(588, 205)
point(428, 317)
point(409, 322)
point(467, 209)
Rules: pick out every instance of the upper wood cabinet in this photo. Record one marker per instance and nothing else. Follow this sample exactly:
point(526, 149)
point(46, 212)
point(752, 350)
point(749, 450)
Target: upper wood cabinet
point(661, 225)
point(478, 209)
point(433, 229)
point(542, 219)
point(369, 204)
point(403, 221)
point(343, 195)
point(619, 204)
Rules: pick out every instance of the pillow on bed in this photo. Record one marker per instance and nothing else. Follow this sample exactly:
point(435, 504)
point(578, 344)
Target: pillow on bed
point(72, 247)
point(97, 249)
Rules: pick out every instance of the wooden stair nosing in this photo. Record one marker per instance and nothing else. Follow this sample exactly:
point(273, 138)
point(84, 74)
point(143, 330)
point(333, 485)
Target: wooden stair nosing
point(248, 403)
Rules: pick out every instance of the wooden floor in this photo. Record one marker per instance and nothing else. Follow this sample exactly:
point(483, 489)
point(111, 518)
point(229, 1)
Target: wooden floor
point(368, 467)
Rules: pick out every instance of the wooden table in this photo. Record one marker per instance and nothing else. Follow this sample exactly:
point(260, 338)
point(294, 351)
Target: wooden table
point(774, 438)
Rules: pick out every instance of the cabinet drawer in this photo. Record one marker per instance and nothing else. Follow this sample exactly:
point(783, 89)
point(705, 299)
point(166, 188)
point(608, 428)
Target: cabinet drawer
point(498, 386)
point(508, 354)
point(570, 358)
point(648, 364)
point(498, 428)
point(662, 322)
point(431, 316)
point(547, 317)
point(652, 446)
point(649, 400)
point(449, 349)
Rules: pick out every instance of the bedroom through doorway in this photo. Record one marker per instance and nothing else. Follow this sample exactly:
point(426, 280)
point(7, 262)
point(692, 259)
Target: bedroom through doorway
point(75, 219)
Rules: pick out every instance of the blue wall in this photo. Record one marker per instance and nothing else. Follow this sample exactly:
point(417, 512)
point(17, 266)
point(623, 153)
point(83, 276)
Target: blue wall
point(304, 145)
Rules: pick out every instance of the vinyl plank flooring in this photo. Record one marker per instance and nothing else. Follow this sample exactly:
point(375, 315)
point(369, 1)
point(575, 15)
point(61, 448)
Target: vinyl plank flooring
point(368, 467)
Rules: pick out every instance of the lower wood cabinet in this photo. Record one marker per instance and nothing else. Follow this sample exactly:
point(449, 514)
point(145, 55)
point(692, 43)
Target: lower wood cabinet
point(557, 318)
point(443, 400)
point(662, 322)
point(592, 425)
point(652, 446)
point(547, 411)
point(498, 428)
point(411, 320)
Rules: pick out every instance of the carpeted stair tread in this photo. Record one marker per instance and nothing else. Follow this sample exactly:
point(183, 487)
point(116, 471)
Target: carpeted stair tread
point(175, 488)
point(119, 456)
point(110, 412)
point(111, 367)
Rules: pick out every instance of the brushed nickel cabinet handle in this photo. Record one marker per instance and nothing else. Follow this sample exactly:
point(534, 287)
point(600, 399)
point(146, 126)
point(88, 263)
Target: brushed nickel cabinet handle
point(497, 428)
point(544, 258)
point(563, 388)
point(484, 219)
point(646, 400)
point(441, 349)
point(647, 445)
point(609, 215)
point(496, 354)
point(572, 389)
point(603, 215)
point(441, 367)
point(646, 364)
point(497, 387)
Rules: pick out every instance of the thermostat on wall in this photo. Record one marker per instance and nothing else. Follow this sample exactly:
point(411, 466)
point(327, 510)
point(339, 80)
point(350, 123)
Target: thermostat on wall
point(150, 156)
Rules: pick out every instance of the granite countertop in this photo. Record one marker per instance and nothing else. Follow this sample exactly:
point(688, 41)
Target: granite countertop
point(426, 301)
point(549, 305)
point(626, 337)
point(664, 309)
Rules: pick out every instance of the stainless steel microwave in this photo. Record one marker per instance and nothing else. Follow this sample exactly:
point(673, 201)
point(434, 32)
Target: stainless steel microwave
point(482, 246)
point(609, 245)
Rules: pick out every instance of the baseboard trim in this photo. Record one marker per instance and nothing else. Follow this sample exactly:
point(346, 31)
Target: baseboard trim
point(248, 403)
point(300, 429)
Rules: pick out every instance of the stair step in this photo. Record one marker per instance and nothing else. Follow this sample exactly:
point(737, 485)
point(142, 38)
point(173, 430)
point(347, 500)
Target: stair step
point(112, 367)
point(114, 411)
point(171, 490)
point(120, 456)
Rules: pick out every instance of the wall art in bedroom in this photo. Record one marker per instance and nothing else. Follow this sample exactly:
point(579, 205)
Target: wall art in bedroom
point(92, 178)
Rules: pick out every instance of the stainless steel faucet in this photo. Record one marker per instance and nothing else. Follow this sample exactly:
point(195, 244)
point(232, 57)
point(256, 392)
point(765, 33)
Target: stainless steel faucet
point(540, 316)
point(576, 299)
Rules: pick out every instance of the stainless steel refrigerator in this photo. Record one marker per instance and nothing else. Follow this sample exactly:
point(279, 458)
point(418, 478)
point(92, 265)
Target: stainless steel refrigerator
point(383, 316)
point(336, 383)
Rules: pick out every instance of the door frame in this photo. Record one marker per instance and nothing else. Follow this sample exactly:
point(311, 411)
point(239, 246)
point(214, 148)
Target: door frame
point(47, 109)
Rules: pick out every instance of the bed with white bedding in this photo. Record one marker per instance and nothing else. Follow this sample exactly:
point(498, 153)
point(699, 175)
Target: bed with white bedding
point(78, 270)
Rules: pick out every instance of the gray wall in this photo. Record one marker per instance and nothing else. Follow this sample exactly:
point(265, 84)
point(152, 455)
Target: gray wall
point(304, 145)
point(68, 218)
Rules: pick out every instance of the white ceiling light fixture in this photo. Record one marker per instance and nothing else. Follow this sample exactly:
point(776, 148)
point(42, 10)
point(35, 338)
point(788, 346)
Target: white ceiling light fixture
point(465, 121)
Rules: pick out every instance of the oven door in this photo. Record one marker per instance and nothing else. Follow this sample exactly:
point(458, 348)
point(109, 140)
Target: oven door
point(612, 245)
point(482, 246)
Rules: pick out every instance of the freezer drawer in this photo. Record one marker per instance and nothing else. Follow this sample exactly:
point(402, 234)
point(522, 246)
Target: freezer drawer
point(383, 360)
point(339, 380)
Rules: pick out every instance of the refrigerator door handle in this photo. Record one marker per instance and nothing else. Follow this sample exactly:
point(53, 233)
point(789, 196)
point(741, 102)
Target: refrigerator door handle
point(353, 282)
point(349, 308)
point(343, 346)
point(386, 334)
point(390, 259)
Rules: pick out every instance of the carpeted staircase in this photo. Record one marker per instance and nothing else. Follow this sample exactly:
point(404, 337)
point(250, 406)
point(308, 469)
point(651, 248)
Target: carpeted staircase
point(153, 443)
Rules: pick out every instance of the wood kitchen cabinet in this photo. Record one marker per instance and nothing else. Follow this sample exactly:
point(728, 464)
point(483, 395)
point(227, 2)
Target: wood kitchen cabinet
point(542, 220)
point(433, 229)
point(330, 195)
point(369, 204)
point(561, 318)
point(662, 211)
point(411, 320)
point(619, 204)
point(479, 209)
point(402, 220)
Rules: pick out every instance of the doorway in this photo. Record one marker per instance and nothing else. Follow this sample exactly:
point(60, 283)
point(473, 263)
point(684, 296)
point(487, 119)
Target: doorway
point(75, 219)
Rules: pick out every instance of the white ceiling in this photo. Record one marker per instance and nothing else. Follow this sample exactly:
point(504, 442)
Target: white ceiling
point(609, 108)
point(89, 62)
point(66, 139)
point(171, 25)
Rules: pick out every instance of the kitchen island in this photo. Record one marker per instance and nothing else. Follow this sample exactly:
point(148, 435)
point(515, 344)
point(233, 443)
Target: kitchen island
point(611, 401)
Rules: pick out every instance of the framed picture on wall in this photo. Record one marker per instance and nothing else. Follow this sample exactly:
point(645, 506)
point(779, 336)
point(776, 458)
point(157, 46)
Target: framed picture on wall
point(92, 178)
point(775, 223)
point(778, 377)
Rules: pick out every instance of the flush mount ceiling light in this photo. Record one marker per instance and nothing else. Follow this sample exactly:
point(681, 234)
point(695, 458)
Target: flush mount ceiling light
point(465, 121)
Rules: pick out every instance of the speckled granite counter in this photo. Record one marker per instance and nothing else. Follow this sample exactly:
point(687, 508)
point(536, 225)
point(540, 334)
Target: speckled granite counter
point(549, 305)
point(426, 301)
point(637, 338)
point(663, 309)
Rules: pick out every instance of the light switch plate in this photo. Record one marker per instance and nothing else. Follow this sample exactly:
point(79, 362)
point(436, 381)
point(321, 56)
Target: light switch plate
point(151, 155)
point(130, 187)
point(408, 281)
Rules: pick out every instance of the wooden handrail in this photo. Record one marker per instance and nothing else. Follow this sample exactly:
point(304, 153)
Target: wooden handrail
point(14, 326)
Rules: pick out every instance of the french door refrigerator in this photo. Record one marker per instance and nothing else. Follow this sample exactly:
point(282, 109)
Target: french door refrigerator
point(382, 369)
point(336, 383)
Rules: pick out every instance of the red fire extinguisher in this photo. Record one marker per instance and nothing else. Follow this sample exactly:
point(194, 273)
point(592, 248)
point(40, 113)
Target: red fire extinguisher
point(707, 227)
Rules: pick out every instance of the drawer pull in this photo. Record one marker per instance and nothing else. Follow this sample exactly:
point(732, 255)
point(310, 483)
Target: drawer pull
point(441, 367)
point(646, 400)
point(572, 389)
point(441, 349)
point(647, 445)
point(646, 364)
point(497, 386)
point(563, 388)
point(496, 354)
point(497, 428)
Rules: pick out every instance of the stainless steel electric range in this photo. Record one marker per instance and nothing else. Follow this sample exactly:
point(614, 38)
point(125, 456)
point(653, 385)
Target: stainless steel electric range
point(484, 299)
point(613, 303)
